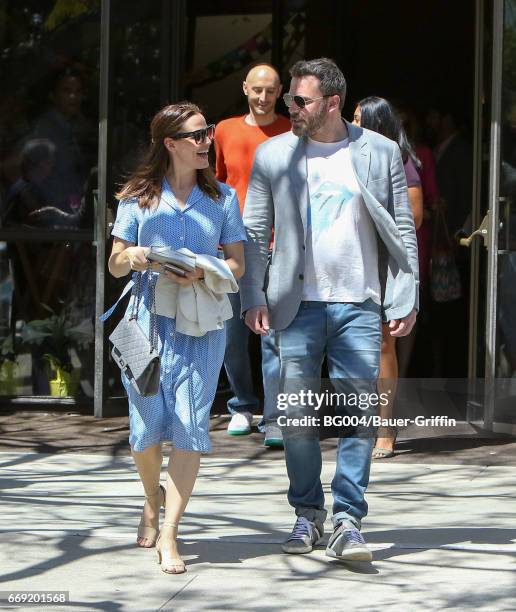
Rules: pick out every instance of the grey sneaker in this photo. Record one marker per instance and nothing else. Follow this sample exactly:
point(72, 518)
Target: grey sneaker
point(347, 543)
point(273, 436)
point(303, 537)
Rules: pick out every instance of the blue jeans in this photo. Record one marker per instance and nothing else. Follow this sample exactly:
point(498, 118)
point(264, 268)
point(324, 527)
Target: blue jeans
point(349, 334)
point(238, 367)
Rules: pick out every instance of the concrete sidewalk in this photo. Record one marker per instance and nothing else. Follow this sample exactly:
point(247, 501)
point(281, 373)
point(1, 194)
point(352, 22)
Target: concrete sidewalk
point(443, 536)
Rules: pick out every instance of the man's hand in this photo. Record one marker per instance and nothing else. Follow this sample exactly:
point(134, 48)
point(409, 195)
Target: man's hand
point(403, 327)
point(257, 319)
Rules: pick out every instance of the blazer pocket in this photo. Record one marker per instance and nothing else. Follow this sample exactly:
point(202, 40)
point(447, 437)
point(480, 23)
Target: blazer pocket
point(379, 188)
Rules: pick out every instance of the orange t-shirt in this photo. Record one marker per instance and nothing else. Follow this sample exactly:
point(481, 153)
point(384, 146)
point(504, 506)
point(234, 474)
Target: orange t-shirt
point(235, 145)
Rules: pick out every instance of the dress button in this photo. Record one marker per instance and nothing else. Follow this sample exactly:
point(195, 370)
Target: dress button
point(301, 276)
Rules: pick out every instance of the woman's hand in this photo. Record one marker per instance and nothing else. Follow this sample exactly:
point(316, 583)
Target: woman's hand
point(126, 256)
point(185, 281)
point(137, 258)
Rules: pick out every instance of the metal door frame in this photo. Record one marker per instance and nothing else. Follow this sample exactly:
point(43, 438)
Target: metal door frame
point(100, 219)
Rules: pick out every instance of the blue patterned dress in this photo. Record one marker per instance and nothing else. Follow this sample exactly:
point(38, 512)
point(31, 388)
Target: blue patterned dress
point(190, 365)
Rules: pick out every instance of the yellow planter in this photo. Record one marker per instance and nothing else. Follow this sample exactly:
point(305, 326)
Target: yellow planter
point(65, 384)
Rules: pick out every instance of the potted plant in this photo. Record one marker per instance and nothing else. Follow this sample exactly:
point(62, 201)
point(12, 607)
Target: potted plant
point(55, 336)
point(8, 367)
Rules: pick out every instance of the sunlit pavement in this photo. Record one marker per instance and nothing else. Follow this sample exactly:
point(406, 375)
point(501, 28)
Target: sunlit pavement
point(443, 537)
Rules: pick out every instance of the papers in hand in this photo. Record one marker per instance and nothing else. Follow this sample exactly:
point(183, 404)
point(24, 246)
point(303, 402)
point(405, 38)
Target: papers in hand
point(176, 261)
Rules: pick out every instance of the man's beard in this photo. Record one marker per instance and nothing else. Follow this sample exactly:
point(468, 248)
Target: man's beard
point(312, 123)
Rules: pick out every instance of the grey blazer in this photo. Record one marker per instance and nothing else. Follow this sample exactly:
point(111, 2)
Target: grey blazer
point(277, 198)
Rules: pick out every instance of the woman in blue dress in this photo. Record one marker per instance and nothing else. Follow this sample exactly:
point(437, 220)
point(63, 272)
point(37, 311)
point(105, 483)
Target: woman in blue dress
point(173, 200)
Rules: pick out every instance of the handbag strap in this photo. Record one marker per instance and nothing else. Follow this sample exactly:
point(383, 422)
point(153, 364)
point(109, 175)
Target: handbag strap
point(108, 313)
point(441, 222)
point(153, 323)
point(137, 292)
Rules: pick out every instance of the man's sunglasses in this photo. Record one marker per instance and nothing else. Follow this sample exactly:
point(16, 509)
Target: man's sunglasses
point(301, 101)
point(198, 135)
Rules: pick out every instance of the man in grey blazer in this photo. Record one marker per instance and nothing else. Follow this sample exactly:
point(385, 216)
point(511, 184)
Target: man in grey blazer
point(345, 253)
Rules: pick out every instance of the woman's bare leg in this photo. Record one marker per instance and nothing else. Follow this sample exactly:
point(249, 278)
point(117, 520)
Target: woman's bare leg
point(148, 463)
point(183, 467)
point(387, 382)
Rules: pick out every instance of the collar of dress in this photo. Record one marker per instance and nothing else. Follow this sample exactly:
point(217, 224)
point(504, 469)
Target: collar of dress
point(168, 197)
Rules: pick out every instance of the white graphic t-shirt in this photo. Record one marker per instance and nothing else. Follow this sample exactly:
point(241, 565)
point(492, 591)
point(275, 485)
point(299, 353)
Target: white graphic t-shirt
point(341, 247)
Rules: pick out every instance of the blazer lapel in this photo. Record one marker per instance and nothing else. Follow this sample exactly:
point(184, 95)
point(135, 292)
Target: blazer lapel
point(360, 152)
point(298, 178)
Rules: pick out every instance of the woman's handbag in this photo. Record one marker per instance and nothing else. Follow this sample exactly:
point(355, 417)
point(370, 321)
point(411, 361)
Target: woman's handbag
point(445, 285)
point(135, 353)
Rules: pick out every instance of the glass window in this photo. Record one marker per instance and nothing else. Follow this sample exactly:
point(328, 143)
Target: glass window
point(49, 67)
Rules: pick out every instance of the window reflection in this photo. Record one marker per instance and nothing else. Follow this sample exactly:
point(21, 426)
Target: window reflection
point(48, 174)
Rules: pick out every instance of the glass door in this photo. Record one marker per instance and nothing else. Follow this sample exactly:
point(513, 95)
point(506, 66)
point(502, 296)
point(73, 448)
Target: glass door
point(496, 266)
point(500, 406)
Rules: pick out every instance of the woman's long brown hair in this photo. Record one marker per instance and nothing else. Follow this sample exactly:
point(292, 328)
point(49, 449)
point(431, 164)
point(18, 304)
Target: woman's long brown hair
point(145, 182)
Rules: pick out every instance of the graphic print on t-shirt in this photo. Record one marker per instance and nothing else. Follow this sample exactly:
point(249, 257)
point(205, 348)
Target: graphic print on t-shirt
point(327, 203)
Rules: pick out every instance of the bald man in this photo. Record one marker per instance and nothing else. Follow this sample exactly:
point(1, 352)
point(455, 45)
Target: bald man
point(236, 140)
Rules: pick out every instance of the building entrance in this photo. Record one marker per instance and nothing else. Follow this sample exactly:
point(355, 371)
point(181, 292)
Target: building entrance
point(438, 62)
point(68, 70)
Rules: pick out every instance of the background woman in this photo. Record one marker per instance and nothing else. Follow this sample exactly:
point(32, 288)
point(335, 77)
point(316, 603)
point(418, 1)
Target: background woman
point(174, 200)
point(408, 346)
point(377, 114)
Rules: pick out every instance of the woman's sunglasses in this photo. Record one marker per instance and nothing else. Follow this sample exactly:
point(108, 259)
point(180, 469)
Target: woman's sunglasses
point(301, 101)
point(198, 135)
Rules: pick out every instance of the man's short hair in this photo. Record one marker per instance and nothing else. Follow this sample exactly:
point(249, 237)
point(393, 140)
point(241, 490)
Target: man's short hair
point(329, 74)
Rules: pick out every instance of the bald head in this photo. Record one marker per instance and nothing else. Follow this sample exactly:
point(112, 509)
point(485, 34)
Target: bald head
point(262, 87)
point(263, 71)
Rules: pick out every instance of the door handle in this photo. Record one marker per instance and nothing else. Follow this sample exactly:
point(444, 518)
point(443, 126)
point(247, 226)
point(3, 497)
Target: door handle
point(482, 231)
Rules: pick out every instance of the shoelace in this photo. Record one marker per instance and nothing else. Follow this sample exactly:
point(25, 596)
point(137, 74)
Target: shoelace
point(353, 536)
point(301, 528)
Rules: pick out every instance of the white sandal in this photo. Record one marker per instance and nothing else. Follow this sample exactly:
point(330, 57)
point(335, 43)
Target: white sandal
point(169, 565)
